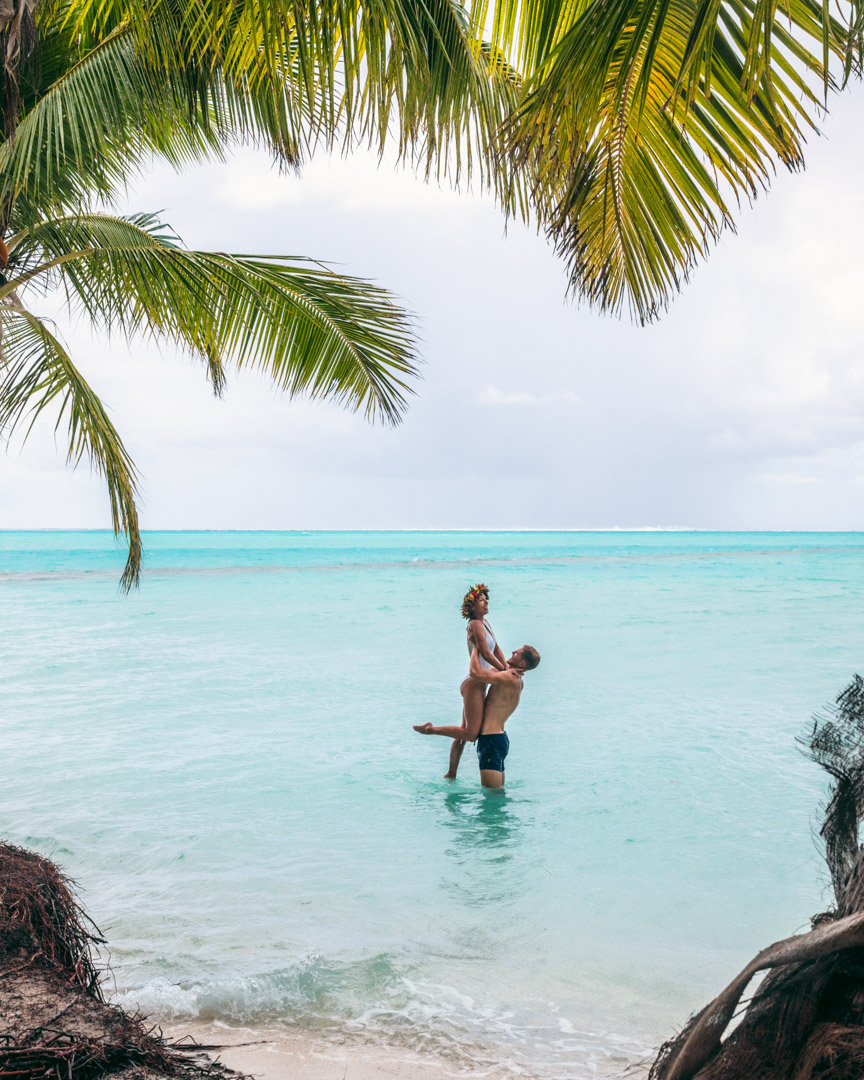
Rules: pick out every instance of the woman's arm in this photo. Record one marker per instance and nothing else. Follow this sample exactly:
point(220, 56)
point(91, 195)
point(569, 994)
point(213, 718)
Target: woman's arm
point(487, 675)
point(477, 629)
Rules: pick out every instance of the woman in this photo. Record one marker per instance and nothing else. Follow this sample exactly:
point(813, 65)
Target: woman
point(475, 608)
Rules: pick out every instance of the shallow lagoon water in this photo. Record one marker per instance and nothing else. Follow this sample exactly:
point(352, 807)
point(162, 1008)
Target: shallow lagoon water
point(225, 763)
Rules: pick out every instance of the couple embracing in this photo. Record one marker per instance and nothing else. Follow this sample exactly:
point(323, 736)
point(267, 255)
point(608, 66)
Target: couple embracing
point(490, 694)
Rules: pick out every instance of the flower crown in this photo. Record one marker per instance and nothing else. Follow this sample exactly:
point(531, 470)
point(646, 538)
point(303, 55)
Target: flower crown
point(468, 603)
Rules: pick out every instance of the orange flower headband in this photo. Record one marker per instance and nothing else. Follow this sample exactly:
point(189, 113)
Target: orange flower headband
point(468, 603)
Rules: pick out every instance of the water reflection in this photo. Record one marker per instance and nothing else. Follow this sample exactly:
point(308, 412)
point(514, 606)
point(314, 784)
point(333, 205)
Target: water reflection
point(482, 819)
point(486, 832)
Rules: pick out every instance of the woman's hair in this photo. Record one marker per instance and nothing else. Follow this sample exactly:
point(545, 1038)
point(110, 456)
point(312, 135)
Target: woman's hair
point(468, 603)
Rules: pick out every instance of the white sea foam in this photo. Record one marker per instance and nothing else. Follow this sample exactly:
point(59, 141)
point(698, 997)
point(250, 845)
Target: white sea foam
point(425, 1018)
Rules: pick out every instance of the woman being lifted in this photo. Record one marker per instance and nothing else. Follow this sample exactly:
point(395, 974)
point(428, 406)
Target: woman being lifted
point(475, 608)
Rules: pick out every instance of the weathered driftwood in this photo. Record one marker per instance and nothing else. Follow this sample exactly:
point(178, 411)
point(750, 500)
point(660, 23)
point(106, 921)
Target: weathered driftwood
point(806, 1020)
point(54, 1020)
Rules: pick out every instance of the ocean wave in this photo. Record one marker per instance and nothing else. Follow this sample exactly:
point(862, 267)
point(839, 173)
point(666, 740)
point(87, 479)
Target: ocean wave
point(306, 988)
point(369, 1002)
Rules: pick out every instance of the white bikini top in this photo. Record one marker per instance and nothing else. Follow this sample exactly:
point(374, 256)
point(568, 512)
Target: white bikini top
point(490, 643)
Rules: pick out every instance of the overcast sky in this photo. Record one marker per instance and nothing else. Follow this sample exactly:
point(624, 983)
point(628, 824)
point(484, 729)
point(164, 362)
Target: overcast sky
point(742, 409)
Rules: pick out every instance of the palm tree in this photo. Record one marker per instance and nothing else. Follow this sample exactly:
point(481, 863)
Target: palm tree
point(630, 128)
point(92, 91)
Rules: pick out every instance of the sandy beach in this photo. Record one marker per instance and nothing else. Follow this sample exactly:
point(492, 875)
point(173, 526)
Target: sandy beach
point(278, 1054)
point(269, 1053)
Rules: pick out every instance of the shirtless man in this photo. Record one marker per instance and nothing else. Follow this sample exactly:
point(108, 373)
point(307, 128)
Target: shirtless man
point(505, 690)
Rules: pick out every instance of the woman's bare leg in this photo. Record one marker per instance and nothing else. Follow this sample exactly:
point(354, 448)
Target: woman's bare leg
point(473, 701)
point(456, 748)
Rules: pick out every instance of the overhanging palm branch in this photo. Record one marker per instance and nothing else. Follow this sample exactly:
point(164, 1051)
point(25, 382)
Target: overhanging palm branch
point(644, 121)
point(310, 331)
point(36, 373)
point(313, 332)
point(109, 93)
point(411, 74)
point(636, 125)
point(99, 113)
point(119, 80)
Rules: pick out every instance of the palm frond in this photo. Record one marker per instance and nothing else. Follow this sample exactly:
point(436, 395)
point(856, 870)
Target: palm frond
point(412, 74)
point(36, 373)
point(106, 114)
point(313, 332)
point(646, 118)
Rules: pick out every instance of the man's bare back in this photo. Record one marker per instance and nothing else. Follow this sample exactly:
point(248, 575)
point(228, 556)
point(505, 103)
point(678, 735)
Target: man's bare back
point(502, 701)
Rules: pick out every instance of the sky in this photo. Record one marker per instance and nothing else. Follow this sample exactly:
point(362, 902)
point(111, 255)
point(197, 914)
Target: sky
point(743, 408)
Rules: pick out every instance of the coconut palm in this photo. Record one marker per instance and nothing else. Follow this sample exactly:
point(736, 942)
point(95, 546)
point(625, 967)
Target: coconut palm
point(633, 127)
point(92, 92)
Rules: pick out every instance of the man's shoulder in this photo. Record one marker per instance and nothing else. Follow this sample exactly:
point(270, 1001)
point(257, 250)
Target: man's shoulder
point(511, 679)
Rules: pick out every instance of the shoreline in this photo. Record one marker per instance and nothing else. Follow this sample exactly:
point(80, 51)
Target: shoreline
point(280, 1053)
point(292, 1053)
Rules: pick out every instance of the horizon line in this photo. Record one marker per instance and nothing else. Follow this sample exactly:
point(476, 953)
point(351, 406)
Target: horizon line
point(443, 529)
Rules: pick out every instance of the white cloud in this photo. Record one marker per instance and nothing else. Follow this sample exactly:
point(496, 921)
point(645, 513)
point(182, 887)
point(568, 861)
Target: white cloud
point(727, 440)
point(492, 395)
point(787, 479)
point(788, 377)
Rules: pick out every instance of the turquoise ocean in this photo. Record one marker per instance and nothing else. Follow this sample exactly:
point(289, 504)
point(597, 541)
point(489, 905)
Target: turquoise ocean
point(224, 762)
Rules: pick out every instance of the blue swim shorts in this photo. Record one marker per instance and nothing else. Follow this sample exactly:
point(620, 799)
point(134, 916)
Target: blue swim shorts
point(491, 751)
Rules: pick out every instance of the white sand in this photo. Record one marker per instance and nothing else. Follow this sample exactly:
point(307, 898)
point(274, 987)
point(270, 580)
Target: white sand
point(284, 1054)
point(277, 1054)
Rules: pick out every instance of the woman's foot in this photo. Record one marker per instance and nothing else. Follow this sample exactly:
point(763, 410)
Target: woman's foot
point(449, 775)
point(424, 729)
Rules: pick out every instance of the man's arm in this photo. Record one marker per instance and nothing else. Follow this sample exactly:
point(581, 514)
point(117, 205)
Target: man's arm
point(487, 675)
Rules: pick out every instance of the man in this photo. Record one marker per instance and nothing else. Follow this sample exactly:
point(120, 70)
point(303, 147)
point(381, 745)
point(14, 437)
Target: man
point(505, 690)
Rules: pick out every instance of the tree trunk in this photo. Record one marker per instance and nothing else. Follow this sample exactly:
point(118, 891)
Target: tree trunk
point(806, 1019)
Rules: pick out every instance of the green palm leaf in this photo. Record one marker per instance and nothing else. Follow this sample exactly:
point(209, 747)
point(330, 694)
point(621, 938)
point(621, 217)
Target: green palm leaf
point(313, 332)
point(103, 117)
point(413, 74)
point(121, 80)
point(37, 372)
point(645, 119)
